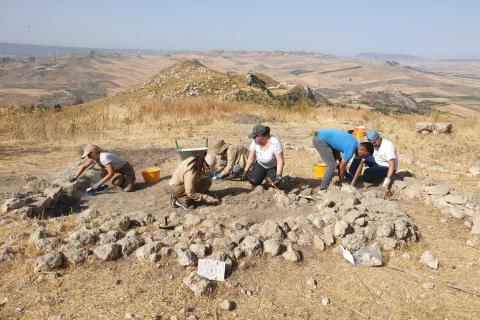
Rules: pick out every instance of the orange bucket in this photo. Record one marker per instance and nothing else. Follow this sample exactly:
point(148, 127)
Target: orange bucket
point(359, 132)
point(151, 175)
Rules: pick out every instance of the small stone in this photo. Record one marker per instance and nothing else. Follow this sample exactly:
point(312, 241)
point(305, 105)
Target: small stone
point(197, 284)
point(340, 229)
point(192, 317)
point(38, 234)
point(227, 305)
point(109, 251)
point(292, 254)
point(428, 285)
point(199, 250)
point(186, 257)
point(318, 243)
point(50, 261)
point(406, 256)
point(251, 246)
point(326, 301)
point(429, 260)
point(312, 283)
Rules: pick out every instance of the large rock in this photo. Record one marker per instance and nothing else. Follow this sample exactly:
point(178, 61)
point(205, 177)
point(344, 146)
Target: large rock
point(130, 244)
point(109, 251)
point(443, 127)
point(474, 170)
point(186, 257)
point(340, 229)
point(456, 199)
point(50, 261)
point(199, 250)
point(438, 190)
point(270, 230)
point(73, 254)
point(429, 260)
point(12, 203)
point(272, 247)
point(424, 127)
point(251, 246)
point(47, 244)
point(81, 238)
point(476, 223)
point(150, 251)
point(292, 255)
point(6, 255)
point(197, 284)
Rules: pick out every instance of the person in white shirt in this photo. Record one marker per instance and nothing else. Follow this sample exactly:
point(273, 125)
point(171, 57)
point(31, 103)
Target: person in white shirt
point(384, 163)
point(118, 170)
point(265, 158)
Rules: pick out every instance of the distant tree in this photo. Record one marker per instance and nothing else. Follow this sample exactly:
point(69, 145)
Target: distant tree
point(77, 100)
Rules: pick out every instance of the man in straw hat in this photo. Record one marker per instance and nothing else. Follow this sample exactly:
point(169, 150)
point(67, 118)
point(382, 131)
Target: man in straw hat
point(118, 170)
point(233, 159)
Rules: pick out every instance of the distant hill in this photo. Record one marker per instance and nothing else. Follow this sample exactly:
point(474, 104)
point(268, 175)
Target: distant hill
point(191, 78)
point(32, 50)
point(378, 56)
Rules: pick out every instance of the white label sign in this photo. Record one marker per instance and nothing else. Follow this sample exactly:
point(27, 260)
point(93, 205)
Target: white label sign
point(211, 269)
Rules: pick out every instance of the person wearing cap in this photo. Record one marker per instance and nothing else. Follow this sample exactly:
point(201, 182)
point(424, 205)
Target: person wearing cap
point(337, 145)
point(233, 159)
point(191, 182)
point(265, 158)
point(118, 170)
point(384, 163)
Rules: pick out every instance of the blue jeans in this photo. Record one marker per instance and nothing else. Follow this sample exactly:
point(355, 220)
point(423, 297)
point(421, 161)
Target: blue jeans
point(375, 173)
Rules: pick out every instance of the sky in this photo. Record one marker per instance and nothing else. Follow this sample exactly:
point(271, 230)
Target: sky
point(425, 28)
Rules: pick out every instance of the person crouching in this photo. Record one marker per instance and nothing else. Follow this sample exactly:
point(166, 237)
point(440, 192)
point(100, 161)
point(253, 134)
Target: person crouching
point(233, 159)
point(118, 170)
point(190, 183)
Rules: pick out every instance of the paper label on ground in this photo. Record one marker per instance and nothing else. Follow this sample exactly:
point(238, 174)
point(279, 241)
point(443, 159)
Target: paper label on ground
point(211, 269)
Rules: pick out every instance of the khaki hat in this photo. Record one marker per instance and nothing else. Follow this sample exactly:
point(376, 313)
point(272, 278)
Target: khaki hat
point(90, 148)
point(220, 147)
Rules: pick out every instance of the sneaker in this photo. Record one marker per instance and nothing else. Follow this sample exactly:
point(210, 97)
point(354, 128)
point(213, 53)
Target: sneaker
point(185, 205)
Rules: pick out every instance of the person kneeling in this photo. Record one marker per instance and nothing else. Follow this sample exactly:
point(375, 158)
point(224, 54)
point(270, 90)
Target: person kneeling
point(233, 159)
point(266, 158)
point(118, 170)
point(190, 181)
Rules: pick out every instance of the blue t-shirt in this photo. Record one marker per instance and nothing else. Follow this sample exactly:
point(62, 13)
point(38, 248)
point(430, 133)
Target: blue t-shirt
point(339, 140)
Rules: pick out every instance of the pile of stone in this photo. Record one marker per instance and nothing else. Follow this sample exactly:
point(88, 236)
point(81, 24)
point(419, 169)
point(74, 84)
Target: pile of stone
point(43, 200)
point(347, 217)
point(465, 206)
point(435, 128)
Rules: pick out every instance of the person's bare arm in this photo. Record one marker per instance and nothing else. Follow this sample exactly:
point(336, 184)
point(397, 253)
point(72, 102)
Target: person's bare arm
point(280, 164)
point(250, 161)
point(83, 167)
point(109, 175)
point(391, 168)
point(341, 171)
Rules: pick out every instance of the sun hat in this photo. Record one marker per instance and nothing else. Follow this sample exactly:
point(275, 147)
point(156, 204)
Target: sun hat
point(258, 130)
point(220, 147)
point(372, 135)
point(90, 148)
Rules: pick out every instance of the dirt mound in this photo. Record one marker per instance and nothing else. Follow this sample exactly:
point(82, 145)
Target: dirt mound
point(191, 78)
point(393, 102)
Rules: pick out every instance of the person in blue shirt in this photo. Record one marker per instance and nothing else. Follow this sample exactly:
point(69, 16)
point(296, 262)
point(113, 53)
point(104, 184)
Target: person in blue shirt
point(337, 145)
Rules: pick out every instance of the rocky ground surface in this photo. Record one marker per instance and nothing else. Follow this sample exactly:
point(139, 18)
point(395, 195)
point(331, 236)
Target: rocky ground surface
point(67, 256)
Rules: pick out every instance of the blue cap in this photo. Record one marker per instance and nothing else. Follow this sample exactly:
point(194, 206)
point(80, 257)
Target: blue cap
point(372, 135)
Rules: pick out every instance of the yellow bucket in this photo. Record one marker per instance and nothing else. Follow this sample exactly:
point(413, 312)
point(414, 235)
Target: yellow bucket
point(319, 169)
point(359, 132)
point(151, 175)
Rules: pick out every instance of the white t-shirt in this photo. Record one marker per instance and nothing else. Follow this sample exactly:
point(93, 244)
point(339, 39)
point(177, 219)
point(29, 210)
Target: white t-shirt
point(116, 161)
point(385, 153)
point(266, 158)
